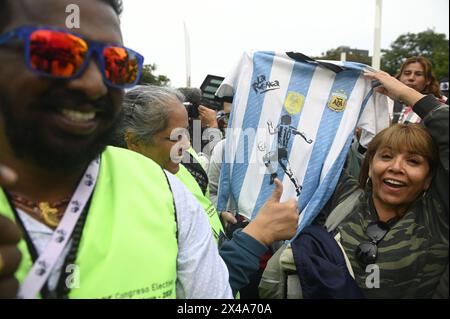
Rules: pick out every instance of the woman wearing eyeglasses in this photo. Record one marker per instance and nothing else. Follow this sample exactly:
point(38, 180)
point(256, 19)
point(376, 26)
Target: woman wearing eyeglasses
point(396, 232)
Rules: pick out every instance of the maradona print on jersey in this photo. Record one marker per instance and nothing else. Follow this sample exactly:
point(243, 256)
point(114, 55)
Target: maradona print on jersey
point(293, 119)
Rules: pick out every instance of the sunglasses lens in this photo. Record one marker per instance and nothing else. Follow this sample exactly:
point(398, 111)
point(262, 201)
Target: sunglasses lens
point(57, 53)
point(377, 230)
point(366, 253)
point(122, 65)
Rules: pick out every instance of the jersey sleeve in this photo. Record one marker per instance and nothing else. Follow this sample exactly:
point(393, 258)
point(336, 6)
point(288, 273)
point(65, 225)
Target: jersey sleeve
point(374, 118)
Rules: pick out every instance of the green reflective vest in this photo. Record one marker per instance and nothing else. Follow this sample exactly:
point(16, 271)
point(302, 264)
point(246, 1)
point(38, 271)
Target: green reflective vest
point(128, 247)
point(191, 184)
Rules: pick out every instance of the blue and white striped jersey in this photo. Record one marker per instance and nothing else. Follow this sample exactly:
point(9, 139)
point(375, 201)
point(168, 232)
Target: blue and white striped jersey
point(295, 121)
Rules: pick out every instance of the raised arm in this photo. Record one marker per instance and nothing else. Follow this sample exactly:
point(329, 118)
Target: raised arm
point(393, 88)
point(435, 118)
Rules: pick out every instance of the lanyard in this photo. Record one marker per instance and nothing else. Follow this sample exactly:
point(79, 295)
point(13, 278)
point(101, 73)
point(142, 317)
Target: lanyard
point(41, 269)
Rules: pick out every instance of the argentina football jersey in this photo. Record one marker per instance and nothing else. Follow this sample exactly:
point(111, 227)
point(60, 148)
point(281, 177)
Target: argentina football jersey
point(294, 119)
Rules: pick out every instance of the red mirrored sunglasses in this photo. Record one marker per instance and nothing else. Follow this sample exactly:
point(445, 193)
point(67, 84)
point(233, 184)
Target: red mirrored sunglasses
point(58, 53)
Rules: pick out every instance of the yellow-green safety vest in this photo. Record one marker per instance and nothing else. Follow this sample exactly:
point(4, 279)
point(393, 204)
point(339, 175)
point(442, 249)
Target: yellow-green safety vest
point(128, 247)
point(191, 184)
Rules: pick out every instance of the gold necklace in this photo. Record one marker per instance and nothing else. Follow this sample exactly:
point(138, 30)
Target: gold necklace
point(47, 212)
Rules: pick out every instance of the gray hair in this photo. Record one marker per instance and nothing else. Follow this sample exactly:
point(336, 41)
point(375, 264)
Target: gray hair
point(145, 112)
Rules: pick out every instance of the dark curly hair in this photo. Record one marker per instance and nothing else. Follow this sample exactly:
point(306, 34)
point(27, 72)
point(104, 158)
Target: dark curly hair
point(5, 8)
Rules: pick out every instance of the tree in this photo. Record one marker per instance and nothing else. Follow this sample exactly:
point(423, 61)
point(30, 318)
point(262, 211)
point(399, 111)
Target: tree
point(433, 46)
point(148, 76)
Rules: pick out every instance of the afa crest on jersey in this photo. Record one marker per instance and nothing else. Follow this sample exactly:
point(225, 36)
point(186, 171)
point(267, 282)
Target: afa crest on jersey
point(338, 101)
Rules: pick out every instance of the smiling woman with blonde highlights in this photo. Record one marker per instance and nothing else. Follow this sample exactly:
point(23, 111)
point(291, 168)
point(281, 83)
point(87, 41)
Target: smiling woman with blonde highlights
point(393, 224)
point(400, 221)
point(400, 163)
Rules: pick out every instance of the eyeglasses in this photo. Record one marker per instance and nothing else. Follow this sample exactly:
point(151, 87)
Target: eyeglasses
point(367, 252)
point(58, 53)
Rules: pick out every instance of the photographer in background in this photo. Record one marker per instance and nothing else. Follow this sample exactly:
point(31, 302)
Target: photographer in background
point(223, 115)
point(204, 129)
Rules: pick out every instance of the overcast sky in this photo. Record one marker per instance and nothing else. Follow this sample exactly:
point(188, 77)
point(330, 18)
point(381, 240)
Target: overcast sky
point(221, 30)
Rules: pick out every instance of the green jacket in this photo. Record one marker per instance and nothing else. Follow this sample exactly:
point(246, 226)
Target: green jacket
point(189, 181)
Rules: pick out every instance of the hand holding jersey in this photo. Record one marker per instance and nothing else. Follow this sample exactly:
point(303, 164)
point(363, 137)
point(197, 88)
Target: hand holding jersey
point(275, 220)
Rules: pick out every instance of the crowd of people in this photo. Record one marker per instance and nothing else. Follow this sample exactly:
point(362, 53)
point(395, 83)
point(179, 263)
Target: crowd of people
point(103, 196)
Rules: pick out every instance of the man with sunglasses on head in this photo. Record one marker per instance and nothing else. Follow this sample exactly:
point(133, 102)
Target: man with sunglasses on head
point(97, 222)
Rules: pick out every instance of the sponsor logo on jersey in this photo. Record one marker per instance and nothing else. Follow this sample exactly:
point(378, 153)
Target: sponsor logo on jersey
point(261, 85)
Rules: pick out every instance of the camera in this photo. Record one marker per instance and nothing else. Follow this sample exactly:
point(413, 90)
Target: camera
point(192, 110)
point(192, 107)
point(194, 97)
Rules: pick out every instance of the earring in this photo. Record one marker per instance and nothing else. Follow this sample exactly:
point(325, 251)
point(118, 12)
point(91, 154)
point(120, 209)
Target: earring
point(368, 183)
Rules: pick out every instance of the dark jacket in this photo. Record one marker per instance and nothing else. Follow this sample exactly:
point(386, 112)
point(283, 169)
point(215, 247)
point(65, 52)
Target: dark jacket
point(321, 266)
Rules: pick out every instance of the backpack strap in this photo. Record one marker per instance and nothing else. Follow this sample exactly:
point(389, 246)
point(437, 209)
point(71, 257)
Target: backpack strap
point(174, 202)
point(337, 238)
point(197, 171)
point(342, 210)
point(337, 215)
